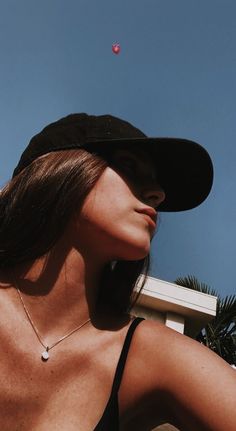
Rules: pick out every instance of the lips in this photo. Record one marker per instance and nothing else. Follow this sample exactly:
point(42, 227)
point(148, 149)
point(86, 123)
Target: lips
point(150, 213)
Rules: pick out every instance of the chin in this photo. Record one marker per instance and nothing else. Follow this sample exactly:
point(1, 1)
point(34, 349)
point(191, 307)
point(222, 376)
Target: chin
point(136, 252)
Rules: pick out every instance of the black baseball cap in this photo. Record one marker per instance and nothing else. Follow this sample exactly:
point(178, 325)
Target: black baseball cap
point(184, 168)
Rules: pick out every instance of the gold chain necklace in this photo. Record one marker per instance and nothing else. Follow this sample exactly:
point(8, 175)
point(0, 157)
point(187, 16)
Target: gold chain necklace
point(45, 353)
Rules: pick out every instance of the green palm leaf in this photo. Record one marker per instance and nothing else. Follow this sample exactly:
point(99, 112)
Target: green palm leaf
point(220, 334)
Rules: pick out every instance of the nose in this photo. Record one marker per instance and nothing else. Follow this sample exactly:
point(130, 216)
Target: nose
point(153, 197)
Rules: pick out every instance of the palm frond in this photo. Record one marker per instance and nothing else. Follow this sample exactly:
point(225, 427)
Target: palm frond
point(191, 282)
point(220, 334)
point(228, 305)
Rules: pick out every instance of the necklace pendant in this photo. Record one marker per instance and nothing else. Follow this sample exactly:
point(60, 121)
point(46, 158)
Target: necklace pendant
point(45, 355)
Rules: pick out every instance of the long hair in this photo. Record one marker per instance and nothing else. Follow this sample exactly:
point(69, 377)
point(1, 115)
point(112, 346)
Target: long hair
point(36, 206)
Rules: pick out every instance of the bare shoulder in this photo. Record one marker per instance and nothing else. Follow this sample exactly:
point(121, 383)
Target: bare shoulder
point(200, 387)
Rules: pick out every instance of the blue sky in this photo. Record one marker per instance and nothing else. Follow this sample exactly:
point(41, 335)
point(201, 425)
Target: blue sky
point(175, 76)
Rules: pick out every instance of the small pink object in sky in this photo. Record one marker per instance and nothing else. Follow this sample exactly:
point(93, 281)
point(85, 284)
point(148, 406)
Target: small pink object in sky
point(116, 48)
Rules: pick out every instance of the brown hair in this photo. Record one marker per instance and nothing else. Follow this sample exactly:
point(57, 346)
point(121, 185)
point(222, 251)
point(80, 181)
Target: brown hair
point(36, 206)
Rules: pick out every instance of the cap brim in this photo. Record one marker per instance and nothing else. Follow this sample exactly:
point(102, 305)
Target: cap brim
point(184, 169)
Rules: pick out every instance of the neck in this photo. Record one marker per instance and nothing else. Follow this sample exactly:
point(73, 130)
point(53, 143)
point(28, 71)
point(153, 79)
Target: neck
point(59, 289)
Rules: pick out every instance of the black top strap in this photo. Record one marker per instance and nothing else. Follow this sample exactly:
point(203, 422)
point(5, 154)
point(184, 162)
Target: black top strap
point(123, 355)
point(110, 417)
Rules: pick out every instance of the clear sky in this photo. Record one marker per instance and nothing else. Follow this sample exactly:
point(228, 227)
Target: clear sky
point(175, 76)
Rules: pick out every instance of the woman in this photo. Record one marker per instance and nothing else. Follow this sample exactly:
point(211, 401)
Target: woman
point(77, 219)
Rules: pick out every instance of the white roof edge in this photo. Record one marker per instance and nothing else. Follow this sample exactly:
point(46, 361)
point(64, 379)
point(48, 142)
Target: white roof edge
point(182, 287)
point(172, 295)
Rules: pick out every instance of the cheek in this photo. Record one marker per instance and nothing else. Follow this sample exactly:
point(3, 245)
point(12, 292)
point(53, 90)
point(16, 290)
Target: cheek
point(115, 231)
point(109, 198)
point(108, 220)
point(103, 210)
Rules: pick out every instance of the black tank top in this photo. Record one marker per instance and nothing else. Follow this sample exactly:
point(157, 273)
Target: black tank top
point(110, 418)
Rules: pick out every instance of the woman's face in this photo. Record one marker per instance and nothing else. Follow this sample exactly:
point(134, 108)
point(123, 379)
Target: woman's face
point(118, 217)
